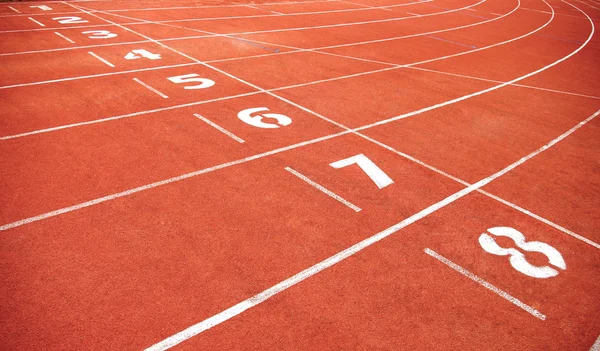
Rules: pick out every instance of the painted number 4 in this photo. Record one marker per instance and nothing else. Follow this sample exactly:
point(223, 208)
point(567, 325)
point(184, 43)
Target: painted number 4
point(141, 53)
point(375, 173)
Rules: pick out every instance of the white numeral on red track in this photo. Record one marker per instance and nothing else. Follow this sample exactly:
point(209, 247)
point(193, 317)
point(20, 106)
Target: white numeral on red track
point(247, 117)
point(517, 258)
point(193, 77)
point(70, 20)
point(139, 53)
point(375, 173)
point(43, 7)
point(99, 34)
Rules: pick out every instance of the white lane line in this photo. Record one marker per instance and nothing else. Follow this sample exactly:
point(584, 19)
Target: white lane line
point(277, 13)
point(14, 9)
point(487, 285)
point(541, 219)
point(340, 256)
point(323, 189)
point(499, 81)
point(219, 128)
point(252, 7)
point(150, 88)
point(101, 59)
point(363, 5)
point(495, 14)
point(596, 346)
point(41, 24)
point(64, 37)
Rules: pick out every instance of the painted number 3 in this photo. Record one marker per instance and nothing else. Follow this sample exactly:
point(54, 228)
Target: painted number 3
point(517, 258)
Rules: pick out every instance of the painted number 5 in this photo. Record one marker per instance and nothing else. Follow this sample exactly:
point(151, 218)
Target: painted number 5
point(190, 78)
point(517, 258)
point(375, 173)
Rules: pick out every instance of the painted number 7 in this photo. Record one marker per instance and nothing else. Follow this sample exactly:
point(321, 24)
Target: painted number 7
point(375, 173)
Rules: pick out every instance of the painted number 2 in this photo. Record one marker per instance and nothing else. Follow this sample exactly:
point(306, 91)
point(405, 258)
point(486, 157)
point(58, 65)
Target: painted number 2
point(517, 258)
point(375, 173)
point(70, 20)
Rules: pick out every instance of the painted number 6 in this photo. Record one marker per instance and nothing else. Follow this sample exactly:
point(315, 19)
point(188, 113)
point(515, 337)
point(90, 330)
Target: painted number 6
point(190, 78)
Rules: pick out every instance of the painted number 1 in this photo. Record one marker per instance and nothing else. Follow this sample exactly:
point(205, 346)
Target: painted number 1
point(375, 173)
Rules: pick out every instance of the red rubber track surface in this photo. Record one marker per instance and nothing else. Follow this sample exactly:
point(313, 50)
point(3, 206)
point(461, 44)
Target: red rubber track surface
point(140, 210)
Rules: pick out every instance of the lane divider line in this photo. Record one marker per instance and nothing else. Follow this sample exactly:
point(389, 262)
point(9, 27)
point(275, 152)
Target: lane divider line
point(508, 297)
point(14, 9)
point(150, 88)
point(263, 296)
point(41, 24)
point(219, 128)
point(101, 59)
point(64, 37)
point(323, 189)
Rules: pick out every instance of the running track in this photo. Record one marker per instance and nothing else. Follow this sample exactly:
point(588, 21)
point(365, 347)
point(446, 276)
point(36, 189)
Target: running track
point(309, 175)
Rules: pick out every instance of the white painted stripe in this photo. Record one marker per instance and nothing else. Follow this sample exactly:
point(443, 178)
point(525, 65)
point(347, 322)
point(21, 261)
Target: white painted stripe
point(278, 13)
point(323, 189)
point(307, 273)
point(542, 219)
point(596, 346)
point(252, 7)
point(14, 9)
point(487, 285)
point(150, 88)
point(499, 81)
point(64, 37)
point(43, 25)
point(101, 59)
point(219, 128)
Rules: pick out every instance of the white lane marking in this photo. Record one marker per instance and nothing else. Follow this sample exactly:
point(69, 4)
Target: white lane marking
point(252, 7)
point(129, 115)
point(96, 75)
point(485, 284)
point(14, 9)
point(338, 257)
point(34, 21)
point(363, 5)
point(277, 13)
point(541, 219)
point(596, 346)
point(150, 88)
point(219, 128)
point(495, 14)
point(492, 196)
point(499, 81)
point(101, 59)
point(323, 189)
point(64, 37)
point(581, 2)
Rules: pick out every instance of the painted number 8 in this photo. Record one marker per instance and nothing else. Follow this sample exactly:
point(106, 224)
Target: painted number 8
point(517, 258)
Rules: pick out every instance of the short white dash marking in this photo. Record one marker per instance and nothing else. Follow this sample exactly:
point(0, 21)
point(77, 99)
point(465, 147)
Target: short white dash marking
point(64, 37)
point(277, 13)
point(14, 9)
point(495, 14)
point(596, 346)
point(41, 24)
point(323, 189)
point(219, 128)
point(101, 59)
point(412, 14)
point(485, 284)
point(253, 7)
point(150, 88)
